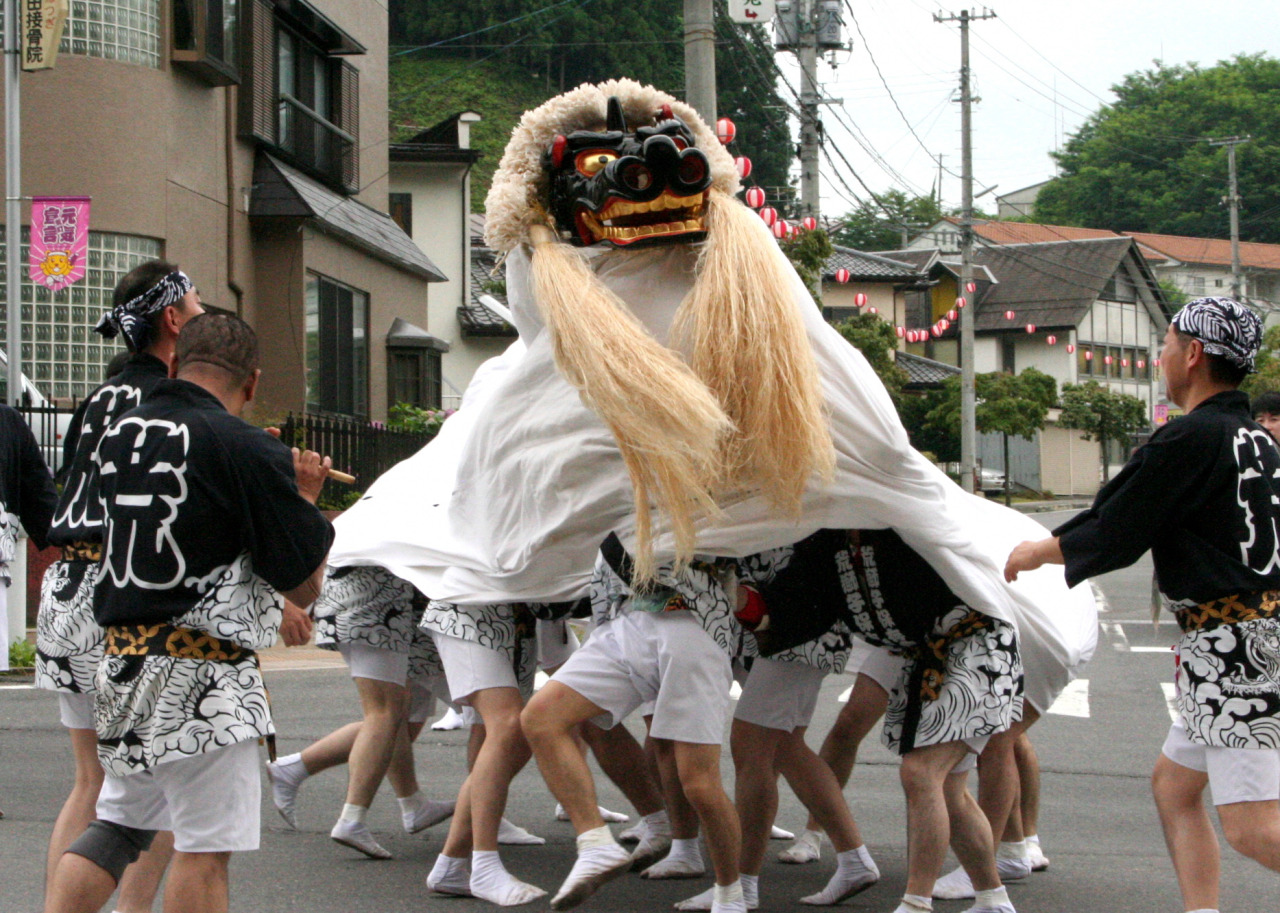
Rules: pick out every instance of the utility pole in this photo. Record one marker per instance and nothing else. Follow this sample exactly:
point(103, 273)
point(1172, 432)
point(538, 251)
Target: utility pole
point(968, 390)
point(1232, 200)
point(700, 58)
point(13, 198)
point(809, 100)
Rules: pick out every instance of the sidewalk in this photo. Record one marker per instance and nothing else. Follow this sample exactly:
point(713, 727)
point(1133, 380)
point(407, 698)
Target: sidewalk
point(299, 658)
point(1038, 507)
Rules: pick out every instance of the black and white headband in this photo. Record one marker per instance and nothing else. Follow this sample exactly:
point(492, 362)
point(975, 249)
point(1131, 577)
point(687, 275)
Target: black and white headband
point(1225, 327)
point(133, 318)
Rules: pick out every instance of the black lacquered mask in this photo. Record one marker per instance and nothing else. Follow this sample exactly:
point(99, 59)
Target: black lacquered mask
point(629, 189)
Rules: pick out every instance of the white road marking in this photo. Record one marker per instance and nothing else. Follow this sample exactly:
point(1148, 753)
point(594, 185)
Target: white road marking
point(1074, 700)
point(735, 691)
point(1171, 699)
point(844, 695)
point(1151, 649)
point(1116, 632)
point(1100, 598)
point(540, 678)
point(17, 687)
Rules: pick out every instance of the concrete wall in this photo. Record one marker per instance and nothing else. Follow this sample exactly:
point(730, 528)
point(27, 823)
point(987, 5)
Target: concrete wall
point(1069, 465)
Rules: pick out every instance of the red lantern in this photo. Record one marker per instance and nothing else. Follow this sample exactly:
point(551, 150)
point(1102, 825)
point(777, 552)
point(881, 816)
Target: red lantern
point(1071, 348)
point(809, 223)
point(953, 315)
point(1124, 362)
point(725, 130)
point(769, 215)
point(944, 324)
point(744, 166)
point(1031, 328)
point(960, 302)
point(901, 331)
point(860, 299)
point(755, 197)
point(971, 287)
point(1088, 355)
point(842, 275)
point(1141, 364)
point(1156, 362)
point(936, 331)
point(781, 229)
point(911, 335)
point(1106, 359)
point(1009, 315)
point(1052, 340)
point(872, 310)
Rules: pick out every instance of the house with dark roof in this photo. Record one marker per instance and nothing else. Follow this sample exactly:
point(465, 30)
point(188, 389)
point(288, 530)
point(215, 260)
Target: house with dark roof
point(883, 280)
point(430, 197)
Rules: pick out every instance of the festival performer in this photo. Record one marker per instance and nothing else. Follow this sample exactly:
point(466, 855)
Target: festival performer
point(208, 521)
point(371, 617)
point(150, 305)
point(645, 294)
point(1201, 495)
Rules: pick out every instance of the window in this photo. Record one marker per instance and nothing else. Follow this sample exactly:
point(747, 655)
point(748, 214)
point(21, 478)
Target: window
point(401, 206)
point(124, 30)
point(206, 38)
point(414, 376)
point(301, 99)
point(1195, 285)
point(337, 347)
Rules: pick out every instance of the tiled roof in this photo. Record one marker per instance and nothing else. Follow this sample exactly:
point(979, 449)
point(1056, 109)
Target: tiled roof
point(475, 317)
point(279, 190)
point(863, 266)
point(1050, 285)
point(1000, 232)
point(923, 372)
point(1210, 250)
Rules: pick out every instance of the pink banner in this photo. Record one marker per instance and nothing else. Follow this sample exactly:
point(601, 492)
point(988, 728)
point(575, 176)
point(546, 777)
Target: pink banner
point(59, 241)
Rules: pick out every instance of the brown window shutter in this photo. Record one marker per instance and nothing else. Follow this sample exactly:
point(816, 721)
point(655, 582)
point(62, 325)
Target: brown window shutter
point(348, 110)
point(259, 98)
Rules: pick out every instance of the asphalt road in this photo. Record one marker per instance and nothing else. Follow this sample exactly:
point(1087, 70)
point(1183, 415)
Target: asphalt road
point(1098, 824)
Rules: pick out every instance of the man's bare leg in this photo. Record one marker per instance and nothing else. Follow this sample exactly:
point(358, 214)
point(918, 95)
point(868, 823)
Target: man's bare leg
point(685, 858)
point(1253, 830)
point(197, 883)
point(924, 773)
point(141, 881)
point(698, 766)
point(755, 792)
point(550, 722)
point(385, 706)
point(81, 803)
point(1188, 833)
point(78, 886)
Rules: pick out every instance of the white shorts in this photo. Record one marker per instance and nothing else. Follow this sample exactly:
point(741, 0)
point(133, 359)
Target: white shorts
point(471, 667)
point(389, 666)
point(556, 643)
point(211, 802)
point(1235, 774)
point(779, 695)
point(664, 657)
point(876, 663)
point(76, 710)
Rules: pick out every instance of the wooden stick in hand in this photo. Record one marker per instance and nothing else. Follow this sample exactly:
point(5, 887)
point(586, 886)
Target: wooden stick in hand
point(342, 477)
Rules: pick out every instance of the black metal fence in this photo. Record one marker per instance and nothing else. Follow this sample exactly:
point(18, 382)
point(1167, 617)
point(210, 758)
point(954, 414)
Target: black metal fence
point(358, 448)
point(49, 424)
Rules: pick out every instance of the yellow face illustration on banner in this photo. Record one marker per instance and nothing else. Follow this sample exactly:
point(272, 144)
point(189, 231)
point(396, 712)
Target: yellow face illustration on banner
point(56, 265)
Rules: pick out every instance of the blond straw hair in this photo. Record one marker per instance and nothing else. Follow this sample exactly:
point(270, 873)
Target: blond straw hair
point(667, 424)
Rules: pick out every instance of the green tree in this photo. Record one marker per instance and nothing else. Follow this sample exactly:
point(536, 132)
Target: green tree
point(1007, 404)
point(808, 252)
point(1102, 415)
point(1142, 163)
point(875, 339)
point(880, 226)
point(1267, 377)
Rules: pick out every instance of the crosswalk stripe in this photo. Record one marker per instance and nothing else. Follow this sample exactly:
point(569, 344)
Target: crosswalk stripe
point(1171, 699)
point(844, 695)
point(1074, 700)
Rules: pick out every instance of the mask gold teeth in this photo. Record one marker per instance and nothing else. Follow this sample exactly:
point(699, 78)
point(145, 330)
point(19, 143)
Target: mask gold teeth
point(623, 221)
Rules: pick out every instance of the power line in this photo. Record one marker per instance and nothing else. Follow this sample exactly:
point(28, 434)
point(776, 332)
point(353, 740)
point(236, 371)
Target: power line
point(487, 28)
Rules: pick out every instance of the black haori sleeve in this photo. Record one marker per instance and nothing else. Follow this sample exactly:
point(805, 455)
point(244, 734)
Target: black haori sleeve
point(1147, 499)
point(285, 534)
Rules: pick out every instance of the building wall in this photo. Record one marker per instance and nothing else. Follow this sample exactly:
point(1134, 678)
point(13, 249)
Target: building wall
point(1069, 465)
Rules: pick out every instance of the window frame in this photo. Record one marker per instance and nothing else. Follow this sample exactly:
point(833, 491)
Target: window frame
point(347, 392)
point(199, 60)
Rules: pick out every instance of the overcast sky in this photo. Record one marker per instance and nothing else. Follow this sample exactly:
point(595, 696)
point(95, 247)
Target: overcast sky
point(1040, 67)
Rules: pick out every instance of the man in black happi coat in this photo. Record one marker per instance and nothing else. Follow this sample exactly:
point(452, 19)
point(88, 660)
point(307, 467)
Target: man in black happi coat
point(1203, 496)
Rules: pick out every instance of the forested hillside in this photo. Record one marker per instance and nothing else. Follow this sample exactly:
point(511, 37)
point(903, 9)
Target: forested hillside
point(501, 57)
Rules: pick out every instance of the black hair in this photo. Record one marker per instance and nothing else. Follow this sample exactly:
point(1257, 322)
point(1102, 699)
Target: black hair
point(223, 341)
point(1267, 403)
point(139, 279)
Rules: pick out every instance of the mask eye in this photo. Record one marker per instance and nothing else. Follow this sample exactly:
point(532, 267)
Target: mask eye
point(591, 162)
point(680, 143)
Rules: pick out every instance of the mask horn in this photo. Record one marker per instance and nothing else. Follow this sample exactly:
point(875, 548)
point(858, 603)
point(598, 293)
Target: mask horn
point(616, 121)
point(558, 146)
point(665, 113)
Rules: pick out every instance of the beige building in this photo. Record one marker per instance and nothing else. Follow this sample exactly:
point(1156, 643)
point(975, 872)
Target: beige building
point(246, 141)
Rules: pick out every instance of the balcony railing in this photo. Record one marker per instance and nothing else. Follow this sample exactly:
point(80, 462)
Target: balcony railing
point(317, 146)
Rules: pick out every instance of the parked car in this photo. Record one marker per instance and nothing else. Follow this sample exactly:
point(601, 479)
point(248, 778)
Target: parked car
point(991, 481)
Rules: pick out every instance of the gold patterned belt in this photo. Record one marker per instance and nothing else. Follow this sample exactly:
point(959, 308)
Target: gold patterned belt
point(1229, 610)
point(170, 640)
point(82, 551)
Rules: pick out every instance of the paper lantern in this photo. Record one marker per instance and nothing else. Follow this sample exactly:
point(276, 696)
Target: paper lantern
point(872, 310)
point(960, 302)
point(971, 287)
point(842, 275)
point(755, 197)
point(769, 215)
point(1071, 348)
point(901, 331)
point(1009, 315)
point(809, 223)
point(1031, 328)
point(953, 315)
point(860, 300)
point(1141, 364)
point(1052, 340)
point(725, 130)
point(911, 335)
point(743, 165)
point(936, 331)
point(1088, 355)
point(1156, 362)
point(781, 229)
point(1124, 362)
point(944, 324)
point(1106, 359)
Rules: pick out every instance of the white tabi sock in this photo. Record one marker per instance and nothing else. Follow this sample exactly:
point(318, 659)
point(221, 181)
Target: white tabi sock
point(491, 881)
point(450, 875)
point(1012, 850)
point(658, 822)
point(731, 898)
point(410, 804)
point(914, 903)
point(855, 872)
point(993, 900)
point(353, 813)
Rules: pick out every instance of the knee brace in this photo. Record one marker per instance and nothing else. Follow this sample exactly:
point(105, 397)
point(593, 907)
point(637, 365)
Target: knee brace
point(111, 847)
